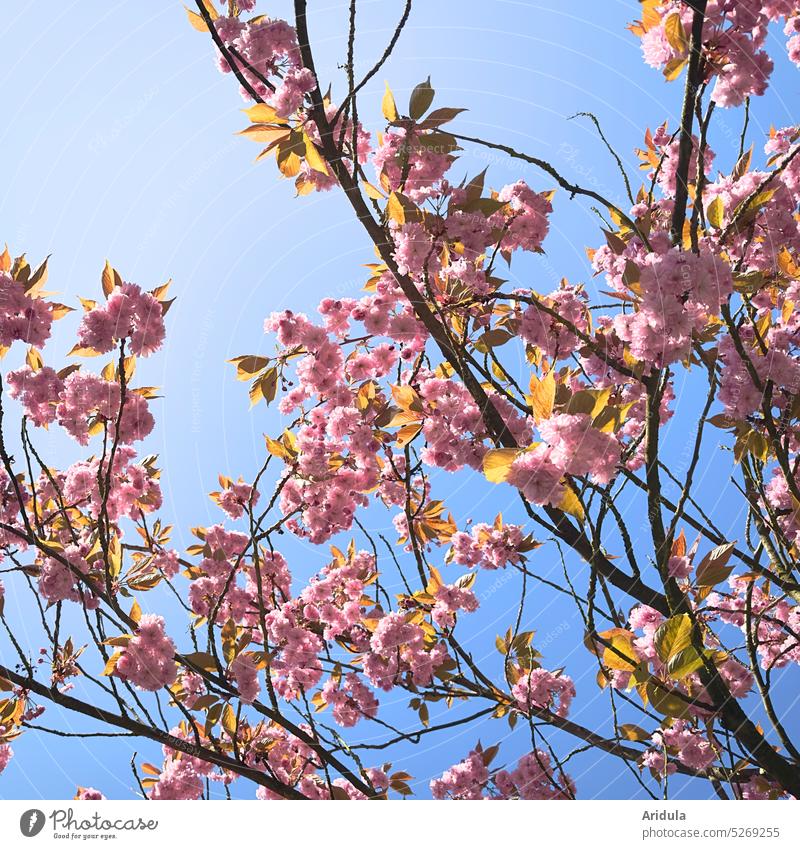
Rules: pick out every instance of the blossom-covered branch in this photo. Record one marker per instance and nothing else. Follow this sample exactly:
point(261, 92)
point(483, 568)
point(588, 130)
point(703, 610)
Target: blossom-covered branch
point(556, 401)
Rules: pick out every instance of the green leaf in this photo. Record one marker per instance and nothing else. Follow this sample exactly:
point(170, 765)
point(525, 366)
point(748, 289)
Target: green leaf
point(673, 636)
point(667, 702)
point(421, 99)
point(684, 663)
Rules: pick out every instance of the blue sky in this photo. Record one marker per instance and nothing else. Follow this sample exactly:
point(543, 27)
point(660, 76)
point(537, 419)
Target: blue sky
point(118, 141)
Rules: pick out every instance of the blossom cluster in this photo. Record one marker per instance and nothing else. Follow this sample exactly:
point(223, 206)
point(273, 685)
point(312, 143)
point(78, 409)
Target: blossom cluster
point(375, 410)
point(773, 622)
point(148, 660)
point(534, 777)
point(733, 41)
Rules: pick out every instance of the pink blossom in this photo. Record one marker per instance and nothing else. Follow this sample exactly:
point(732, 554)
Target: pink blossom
point(89, 794)
point(645, 618)
point(655, 760)
point(690, 746)
point(89, 399)
point(148, 658)
point(579, 449)
point(410, 164)
point(58, 580)
point(5, 756)
point(760, 787)
point(289, 95)
point(679, 292)
point(746, 72)
point(178, 780)
point(776, 622)
point(167, 562)
point(465, 780)
point(416, 252)
point(538, 477)
point(535, 778)
point(542, 689)
point(679, 567)
point(792, 29)
point(236, 497)
point(130, 314)
point(666, 146)
point(351, 699)
point(38, 391)
point(538, 327)
point(297, 664)
point(487, 546)
point(132, 487)
point(525, 217)
point(22, 317)
point(448, 600)
point(244, 672)
point(398, 648)
point(738, 678)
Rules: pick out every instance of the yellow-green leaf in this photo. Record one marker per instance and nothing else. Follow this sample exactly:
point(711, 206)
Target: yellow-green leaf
point(109, 279)
point(372, 191)
point(684, 663)
point(676, 33)
point(667, 702)
point(202, 660)
point(633, 733)
point(497, 463)
point(198, 21)
point(111, 664)
point(570, 503)
point(313, 157)
point(34, 359)
point(543, 395)
point(618, 652)
point(716, 212)
point(229, 720)
point(263, 114)
point(673, 636)
point(394, 209)
point(265, 133)
point(249, 366)
point(407, 433)
point(388, 106)
point(673, 69)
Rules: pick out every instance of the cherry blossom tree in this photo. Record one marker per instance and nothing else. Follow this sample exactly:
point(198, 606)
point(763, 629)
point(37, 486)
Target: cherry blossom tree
point(440, 365)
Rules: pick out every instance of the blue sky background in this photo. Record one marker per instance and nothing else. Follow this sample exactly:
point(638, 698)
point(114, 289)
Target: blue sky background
point(118, 141)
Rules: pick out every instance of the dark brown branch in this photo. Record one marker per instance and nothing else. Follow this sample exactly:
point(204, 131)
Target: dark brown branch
point(545, 166)
point(238, 73)
point(149, 732)
point(378, 65)
point(694, 77)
